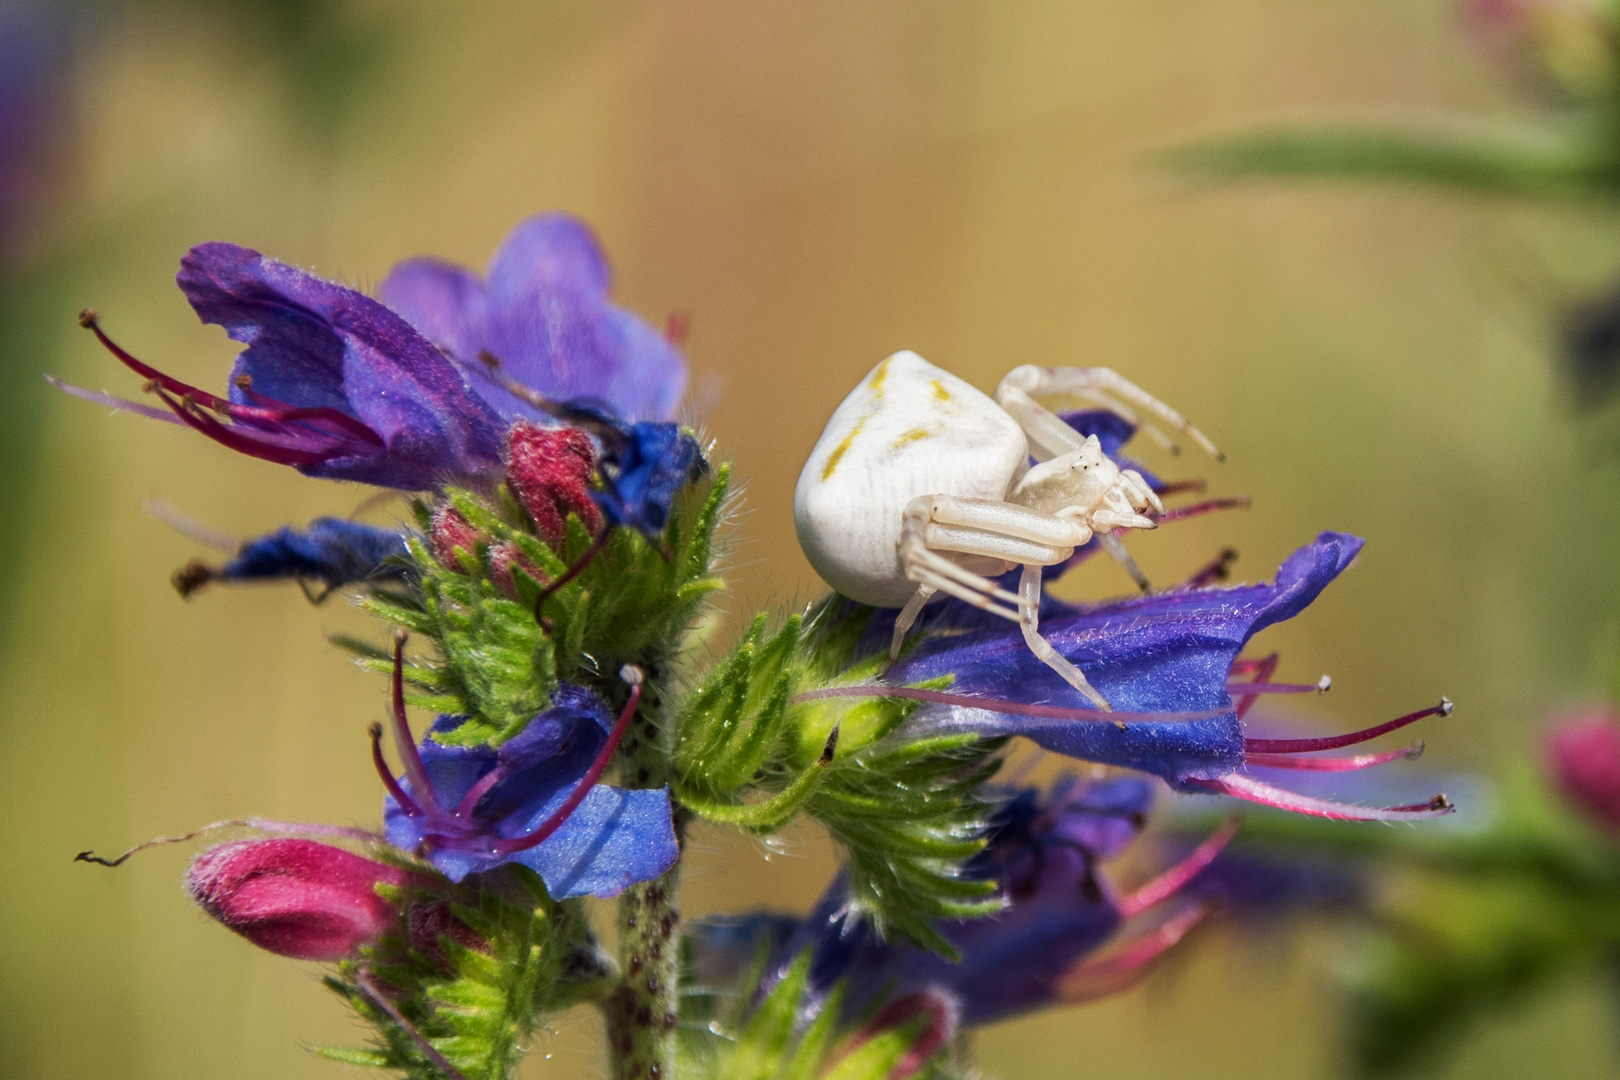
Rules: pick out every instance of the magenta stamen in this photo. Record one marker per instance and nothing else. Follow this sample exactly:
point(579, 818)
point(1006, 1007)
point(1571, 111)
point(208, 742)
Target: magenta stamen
point(294, 828)
point(478, 791)
point(1215, 570)
point(281, 412)
point(406, 803)
point(1177, 487)
point(1097, 978)
point(1338, 764)
point(87, 319)
point(571, 573)
point(1264, 665)
point(1249, 689)
point(420, 784)
point(633, 676)
point(1262, 670)
point(261, 445)
point(1180, 512)
point(1334, 742)
point(1052, 712)
point(1250, 790)
point(1176, 878)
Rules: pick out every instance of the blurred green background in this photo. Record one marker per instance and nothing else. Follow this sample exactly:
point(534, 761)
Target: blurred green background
point(816, 184)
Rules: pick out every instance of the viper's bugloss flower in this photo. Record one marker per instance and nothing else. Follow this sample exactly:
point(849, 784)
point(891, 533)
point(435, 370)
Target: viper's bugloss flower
point(298, 898)
point(1582, 751)
point(543, 313)
point(534, 800)
point(331, 551)
point(332, 382)
point(1168, 663)
point(1044, 850)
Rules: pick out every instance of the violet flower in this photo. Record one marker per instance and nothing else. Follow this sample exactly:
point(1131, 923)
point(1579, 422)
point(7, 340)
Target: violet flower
point(1168, 663)
point(534, 800)
point(333, 552)
point(1044, 850)
point(543, 315)
point(332, 382)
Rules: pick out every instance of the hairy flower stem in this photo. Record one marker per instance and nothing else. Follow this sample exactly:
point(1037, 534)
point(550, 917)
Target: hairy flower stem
point(643, 1009)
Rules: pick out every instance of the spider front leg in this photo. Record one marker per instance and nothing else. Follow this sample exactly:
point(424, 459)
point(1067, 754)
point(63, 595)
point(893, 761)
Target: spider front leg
point(995, 530)
point(1102, 386)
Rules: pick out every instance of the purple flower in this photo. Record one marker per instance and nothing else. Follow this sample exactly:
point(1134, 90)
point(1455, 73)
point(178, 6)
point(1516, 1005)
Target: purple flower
point(331, 382)
point(534, 800)
point(36, 46)
point(1582, 753)
point(542, 314)
point(1166, 662)
point(1044, 850)
point(331, 551)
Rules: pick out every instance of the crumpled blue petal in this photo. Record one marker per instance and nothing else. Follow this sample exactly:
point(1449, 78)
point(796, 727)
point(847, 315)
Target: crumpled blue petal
point(315, 344)
point(645, 473)
point(544, 313)
point(614, 839)
point(334, 551)
point(1168, 652)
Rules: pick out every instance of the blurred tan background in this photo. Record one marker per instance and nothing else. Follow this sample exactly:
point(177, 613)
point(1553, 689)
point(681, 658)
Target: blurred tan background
point(816, 184)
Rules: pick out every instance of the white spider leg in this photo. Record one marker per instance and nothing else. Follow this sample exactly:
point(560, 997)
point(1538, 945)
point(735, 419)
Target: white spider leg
point(1048, 435)
point(939, 583)
point(1029, 620)
point(1034, 380)
point(908, 616)
point(1130, 416)
point(1106, 520)
point(1116, 550)
point(1142, 495)
point(1000, 519)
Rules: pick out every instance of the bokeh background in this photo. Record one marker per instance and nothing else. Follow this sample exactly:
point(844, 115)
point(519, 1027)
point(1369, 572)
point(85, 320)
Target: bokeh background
point(815, 184)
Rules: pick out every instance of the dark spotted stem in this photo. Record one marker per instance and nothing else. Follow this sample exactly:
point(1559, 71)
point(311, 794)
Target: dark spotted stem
point(642, 1009)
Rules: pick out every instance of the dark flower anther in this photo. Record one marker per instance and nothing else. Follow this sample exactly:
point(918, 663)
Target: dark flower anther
point(298, 898)
point(535, 800)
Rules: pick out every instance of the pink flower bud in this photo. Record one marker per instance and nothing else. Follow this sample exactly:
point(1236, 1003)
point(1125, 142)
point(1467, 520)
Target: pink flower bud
point(297, 898)
point(1583, 757)
point(550, 472)
point(452, 532)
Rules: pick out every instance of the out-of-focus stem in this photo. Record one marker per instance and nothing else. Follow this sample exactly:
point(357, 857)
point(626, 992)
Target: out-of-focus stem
point(642, 1010)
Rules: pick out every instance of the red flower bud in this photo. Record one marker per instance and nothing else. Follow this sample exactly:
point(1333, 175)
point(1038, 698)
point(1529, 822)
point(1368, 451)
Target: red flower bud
point(451, 531)
point(550, 472)
point(297, 898)
point(501, 561)
point(1583, 757)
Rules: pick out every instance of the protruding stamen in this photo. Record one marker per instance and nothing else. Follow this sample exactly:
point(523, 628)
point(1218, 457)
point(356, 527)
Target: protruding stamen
point(1217, 569)
point(1335, 742)
point(1177, 513)
point(632, 675)
point(1014, 708)
point(1176, 878)
point(1247, 689)
point(1337, 764)
point(1177, 487)
point(1097, 978)
point(470, 800)
point(1262, 670)
point(291, 828)
point(406, 745)
point(1250, 790)
point(406, 803)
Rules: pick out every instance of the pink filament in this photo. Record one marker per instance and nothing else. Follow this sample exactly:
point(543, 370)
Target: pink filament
point(1334, 742)
point(1262, 670)
point(420, 784)
point(1339, 764)
point(1097, 978)
point(1176, 878)
point(1250, 790)
point(1248, 689)
point(583, 788)
point(1180, 512)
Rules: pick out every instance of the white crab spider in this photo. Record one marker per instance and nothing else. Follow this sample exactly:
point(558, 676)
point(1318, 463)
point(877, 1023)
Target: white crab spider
point(921, 484)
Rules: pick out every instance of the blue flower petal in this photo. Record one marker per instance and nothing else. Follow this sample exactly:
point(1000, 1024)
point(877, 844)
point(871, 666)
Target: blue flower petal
point(330, 550)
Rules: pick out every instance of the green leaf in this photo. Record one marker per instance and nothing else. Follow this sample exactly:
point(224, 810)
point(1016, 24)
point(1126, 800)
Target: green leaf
point(1484, 161)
